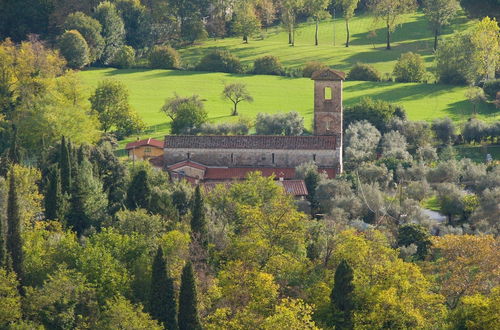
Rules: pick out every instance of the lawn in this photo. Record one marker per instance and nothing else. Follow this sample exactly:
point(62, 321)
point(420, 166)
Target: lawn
point(149, 88)
point(412, 35)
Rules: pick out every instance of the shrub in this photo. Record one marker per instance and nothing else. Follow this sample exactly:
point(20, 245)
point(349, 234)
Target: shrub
point(220, 61)
point(491, 88)
point(74, 48)
point(124, 58)
point(312, 67)
point(268, 65)
point(475, 131)
point(364, 72)
point(164, 57)
point(379, 113)
point(279, 124)
point(409, 68)
point(241, 127)
point(187, 113)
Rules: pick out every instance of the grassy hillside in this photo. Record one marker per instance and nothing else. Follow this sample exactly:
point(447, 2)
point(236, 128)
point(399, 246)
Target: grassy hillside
point(149, 88)
point(413, 35)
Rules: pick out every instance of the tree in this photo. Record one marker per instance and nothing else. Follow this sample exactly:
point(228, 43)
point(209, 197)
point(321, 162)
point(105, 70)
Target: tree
point(394, 145)
point(439, 14)
point(246, 22)
point(124, 58)
point(198, 221)
point(187, 113)
point(289, 123)
point(465, 265)
point(14, 155)
point(409, 68)
point(361, 141)
point(14, 239)
point(54, 200)
point(162, 296)
point(113, 29)
point(74, 48)
point(291, 314)
point(10, 300)
point(289, 11)
point(317, 9)
point(188, 301)
point(390, 11)
point(348, 8)
point(342, 297)
point(139, 191)
point(236, 93)
point(90, 29)
point(485, 38)
point(477, 311)
point(475, 96)
point(475, 130)
point(120, 313)
point(415, 234)
point(444, 130)
point(376, 112)
point(110, 102)
point(137, 23)
point(65, 166)
point(312, 181)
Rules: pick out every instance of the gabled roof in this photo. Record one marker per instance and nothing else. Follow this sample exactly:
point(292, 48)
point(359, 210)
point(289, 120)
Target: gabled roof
point(238, 173)
point(277, 142)
point(187, 163)
point(328, 74)
point(142, 143)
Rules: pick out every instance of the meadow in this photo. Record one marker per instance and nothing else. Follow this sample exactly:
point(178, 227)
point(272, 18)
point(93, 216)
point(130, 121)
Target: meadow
point(367, 43)
point(149, 88)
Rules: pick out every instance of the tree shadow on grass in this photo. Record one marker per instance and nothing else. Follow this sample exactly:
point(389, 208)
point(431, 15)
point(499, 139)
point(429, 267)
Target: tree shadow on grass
point(462, 110)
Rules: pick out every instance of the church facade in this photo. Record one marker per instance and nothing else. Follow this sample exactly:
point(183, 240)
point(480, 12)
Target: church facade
point(225, 158)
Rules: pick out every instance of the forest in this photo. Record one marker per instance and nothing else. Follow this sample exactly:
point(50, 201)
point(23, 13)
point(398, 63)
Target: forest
point(406, 237)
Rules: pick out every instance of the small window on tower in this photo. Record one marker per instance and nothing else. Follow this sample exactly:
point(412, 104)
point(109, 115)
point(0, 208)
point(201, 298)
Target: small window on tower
point(328, 93)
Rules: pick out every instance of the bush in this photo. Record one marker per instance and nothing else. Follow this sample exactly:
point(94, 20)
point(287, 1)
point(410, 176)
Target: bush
point(268, 65)
point(312, 67)
point(290, 123)
point(187, 113)
point(124, 58)
point(74, 48)
point(164, 57)
point(491, 88)
point(409, 68)
point(475, 131)
point(241, 127)
point(364, 72)
point(220, 61)
point(379, 113)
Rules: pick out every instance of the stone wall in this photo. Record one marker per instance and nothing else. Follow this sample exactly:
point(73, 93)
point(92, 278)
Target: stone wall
point(255, 158)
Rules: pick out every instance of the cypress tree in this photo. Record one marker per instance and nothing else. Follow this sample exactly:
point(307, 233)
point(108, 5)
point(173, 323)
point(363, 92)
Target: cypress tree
point(198, 221)
point(188, 310)
point(14, 239)
point(311, 181)
point(65, 167)
point(14, 155)
point(53, 200)
point(3, 252)
point(342, 297)
point(162, 299)
point(139, 191)
point(77, 217)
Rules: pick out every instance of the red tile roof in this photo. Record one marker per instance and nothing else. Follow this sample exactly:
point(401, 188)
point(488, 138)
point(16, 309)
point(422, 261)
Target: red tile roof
point(277, 142)
point(291, 187)
point(229, 173)
point(142, 143)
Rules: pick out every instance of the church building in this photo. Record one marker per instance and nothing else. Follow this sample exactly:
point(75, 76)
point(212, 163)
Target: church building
point(211, 159)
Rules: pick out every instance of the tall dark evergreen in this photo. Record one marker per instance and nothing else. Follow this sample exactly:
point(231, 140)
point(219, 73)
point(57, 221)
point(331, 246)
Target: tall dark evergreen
point(53, 199)
point(198, 221)
point(14, 239)
point(162, 299)
point(65, 166)
point(311, 181)
point(139, 191)
point(188, 309)
point(14, 153)
point(77, 217)
point(3, 251)
point(342, 297)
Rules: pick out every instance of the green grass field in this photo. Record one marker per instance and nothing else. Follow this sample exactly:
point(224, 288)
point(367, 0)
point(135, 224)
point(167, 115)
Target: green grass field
point(413, 35)
point(149, 88)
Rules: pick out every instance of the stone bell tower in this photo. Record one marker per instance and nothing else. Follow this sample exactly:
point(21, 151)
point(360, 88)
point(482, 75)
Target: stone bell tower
point(328, 111)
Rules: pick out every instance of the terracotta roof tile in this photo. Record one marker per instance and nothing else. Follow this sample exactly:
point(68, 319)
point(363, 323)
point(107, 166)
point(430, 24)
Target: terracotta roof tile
point(229, 173)
point(291, 187)
point(251, 142)
point(146, 142)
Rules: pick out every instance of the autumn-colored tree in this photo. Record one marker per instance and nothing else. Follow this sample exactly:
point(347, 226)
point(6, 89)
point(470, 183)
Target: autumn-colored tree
point(465, 265)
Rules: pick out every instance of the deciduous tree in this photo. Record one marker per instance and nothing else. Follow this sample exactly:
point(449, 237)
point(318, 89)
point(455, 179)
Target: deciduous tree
point(439, 14)
point(348, 7)
point(113, 29)
point(236, 93)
